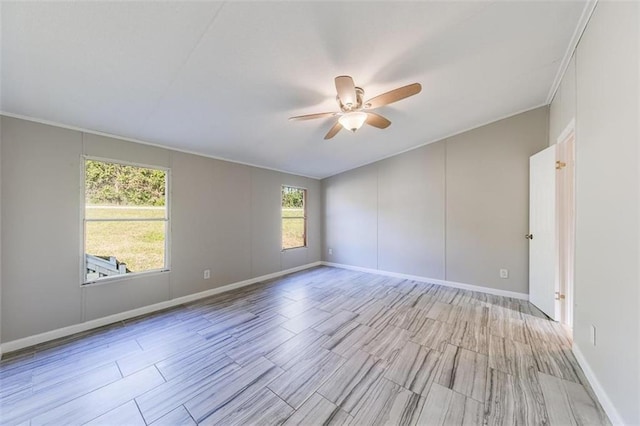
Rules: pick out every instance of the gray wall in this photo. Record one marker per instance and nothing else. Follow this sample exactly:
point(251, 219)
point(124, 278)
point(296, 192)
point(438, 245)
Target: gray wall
point(454, 210)
point(601, 91)
point(225, 217)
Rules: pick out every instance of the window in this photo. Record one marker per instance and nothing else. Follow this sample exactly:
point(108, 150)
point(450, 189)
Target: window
point(294, 217)
point(126, 219)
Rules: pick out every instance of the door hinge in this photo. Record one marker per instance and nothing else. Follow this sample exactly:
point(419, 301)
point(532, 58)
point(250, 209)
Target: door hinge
point(560, 165)
point(559, 296)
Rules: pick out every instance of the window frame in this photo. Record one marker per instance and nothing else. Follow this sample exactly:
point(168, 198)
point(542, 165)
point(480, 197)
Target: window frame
point(83, 222)
point(304, 217)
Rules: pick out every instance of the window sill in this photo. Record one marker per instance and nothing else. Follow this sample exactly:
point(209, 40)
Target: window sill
point(124, 277)
point(294, 248)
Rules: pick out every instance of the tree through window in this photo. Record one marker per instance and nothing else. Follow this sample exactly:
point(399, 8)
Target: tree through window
point(294, 217)
point(125, 221)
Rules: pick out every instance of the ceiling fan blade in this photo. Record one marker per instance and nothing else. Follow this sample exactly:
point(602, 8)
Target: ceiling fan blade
point(312, 116)
point(376, 120)
point(334, 130)
point(393, 96)
point(346, 90)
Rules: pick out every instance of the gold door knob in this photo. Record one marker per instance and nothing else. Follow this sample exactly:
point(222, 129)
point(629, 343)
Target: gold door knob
point(529, 236)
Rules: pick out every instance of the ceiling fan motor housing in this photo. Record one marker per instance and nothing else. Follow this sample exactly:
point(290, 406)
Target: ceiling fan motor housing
point(349, 107)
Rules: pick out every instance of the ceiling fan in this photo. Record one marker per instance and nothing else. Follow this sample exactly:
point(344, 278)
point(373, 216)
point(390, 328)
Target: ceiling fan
point(354, 112)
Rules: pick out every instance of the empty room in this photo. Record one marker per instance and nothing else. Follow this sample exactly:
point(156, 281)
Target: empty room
point(320, 212)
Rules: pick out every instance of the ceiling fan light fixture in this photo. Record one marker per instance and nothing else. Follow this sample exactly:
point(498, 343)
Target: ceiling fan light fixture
point(353, 120)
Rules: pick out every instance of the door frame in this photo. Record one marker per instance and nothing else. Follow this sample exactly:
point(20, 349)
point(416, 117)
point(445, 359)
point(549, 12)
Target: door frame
point(566, 220)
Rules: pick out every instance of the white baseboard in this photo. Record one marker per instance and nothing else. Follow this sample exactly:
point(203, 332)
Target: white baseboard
point(488, 290)
point(603, 398)
point(26, 342)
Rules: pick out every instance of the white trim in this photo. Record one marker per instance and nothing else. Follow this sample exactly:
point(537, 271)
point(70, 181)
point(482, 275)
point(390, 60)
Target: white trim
point(26, 342)
point(83, 219)
point(587, 11)
point(304, 216)
point(571, 128)
point(603, 398)
point(109, 135)
point(124, 138)
point(124, 163)
point(463, 286)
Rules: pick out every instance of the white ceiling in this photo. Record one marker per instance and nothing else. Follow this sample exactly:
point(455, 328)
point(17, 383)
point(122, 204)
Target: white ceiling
point(221, 79)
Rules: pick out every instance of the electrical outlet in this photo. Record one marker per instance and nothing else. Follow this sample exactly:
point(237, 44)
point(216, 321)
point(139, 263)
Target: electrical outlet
point(207, 274)
point(504, 273)
point(593, 335)
point(330, 252)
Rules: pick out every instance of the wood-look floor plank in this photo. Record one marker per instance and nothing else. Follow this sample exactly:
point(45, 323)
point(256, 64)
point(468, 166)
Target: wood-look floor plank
point(509, 328)
point(14, 384)
point(444, 312)
point(16, 396)
point(248, 380)
point(446, 407)
point(100, 401)
point(139, 360)
point(124, 415)
point(260, 408)
point(305, 377)
point(423, 300)
point(542, 330)
point(246, 351)
point(556, 360)
point(414, 368)
point(568, 403)
point(471, 336)
point(387, 343)
point(349, 339)
point(434, 334)
point(178, 417)
point(257, 327)
point(335, 322)
point(510, 356)
point(33, 403)
point(475, 314)
point(292, 310)
point(164, 398)
point(57, 369)
point(306, 320)
point(409, 318)
point(171, 333)
point(387, 403)
point(513, 400)
point(463, 371)
point(321, 346)
point(227, 324)
point(196, 359)
point(349, 384)
point(301, 346)
point(376, 315)
point(317, 410)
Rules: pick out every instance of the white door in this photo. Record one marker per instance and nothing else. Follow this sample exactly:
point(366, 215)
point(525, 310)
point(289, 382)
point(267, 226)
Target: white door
point(542, 232)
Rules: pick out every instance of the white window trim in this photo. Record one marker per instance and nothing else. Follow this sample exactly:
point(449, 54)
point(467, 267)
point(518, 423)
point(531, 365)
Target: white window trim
point(83, 221)
point(305, 217)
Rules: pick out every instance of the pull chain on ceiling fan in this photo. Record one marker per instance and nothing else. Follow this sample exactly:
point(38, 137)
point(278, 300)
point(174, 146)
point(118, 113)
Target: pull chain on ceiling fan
point(354, 112)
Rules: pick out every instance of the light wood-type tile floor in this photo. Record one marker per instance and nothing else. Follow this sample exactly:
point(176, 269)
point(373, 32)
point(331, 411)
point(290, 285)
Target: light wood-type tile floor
point(322, 346)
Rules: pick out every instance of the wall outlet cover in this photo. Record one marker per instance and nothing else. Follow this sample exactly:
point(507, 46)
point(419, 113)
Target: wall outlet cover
point(207, 274)
point(504, 273)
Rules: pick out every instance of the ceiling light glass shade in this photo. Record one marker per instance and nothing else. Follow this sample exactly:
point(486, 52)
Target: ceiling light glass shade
point(353, 120)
